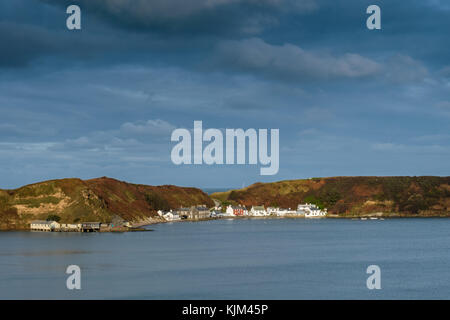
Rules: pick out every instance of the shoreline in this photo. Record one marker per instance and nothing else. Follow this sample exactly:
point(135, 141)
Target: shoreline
point(140, 226)
point(356, 217)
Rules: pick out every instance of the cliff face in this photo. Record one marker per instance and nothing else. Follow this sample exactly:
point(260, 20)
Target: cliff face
point(75, 200)
point(423, 196)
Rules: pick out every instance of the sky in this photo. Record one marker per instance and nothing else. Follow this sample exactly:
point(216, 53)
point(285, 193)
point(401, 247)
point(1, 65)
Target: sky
point(104, 100)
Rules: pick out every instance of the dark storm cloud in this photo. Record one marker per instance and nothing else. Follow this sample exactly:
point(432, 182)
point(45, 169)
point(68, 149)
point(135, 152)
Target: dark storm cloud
point(166, 32)
point(30, 31)
point(199, 16)
point(22, 43)
point(103, 100)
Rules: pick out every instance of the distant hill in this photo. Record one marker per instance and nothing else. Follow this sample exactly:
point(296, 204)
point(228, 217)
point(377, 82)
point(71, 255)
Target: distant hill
point(105, 199)
point(348, 196)
point(102, 199)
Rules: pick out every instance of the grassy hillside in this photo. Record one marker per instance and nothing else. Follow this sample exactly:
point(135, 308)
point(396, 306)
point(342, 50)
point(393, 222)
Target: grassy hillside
point(347, 196)
point(75, 200)
point(102, 199)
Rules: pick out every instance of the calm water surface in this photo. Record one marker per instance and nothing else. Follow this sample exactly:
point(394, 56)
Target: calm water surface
point(234, 259)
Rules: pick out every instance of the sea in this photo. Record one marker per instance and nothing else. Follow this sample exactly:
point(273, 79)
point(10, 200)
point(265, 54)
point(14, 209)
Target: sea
point(235, 259)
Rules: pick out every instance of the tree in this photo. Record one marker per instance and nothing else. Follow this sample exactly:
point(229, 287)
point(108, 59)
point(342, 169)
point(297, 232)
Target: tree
point(53, 217)
point(157, 202)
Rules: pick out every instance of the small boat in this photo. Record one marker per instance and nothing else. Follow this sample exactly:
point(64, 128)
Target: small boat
point(363, 218)
point(373, 218)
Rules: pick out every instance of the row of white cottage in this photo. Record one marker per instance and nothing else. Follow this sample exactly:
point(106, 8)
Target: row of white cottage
point(53, 226)
point(307, 210)
point(45, 225)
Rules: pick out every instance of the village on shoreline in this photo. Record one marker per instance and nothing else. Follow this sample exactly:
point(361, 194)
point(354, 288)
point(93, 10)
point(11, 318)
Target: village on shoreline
point(108, 205)
point(203, 213)
point(193, 213)
point(307, 210)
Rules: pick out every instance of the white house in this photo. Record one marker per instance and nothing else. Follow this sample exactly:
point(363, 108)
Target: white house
point(285, 212)
point(43, 225)
point(70, 227)
point(171, 216)
point(316, 213)
point(236, 211)
point(311, 210)
point(258, 211)
point(229, 212)
point(215, 214)
point(303, 208)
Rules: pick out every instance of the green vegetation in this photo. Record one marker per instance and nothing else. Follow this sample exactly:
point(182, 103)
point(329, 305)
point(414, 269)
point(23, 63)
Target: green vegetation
point(103, 198)
point(226, 203)
point(312, 199)
point(156, 202)
point(91, 200)
point(233, 195)
point(53, 217)
point(36, 202)
point(37, 189)
point(352, 195)
point(329, 197)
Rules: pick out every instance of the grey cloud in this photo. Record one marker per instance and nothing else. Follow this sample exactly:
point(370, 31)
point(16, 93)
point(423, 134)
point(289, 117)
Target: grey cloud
point(402, 68)
point(131, 136)
point(293, 63)
point(290, 62)
point(8, 130)
point(97, 142)
point(445, 72)
point(149, 127)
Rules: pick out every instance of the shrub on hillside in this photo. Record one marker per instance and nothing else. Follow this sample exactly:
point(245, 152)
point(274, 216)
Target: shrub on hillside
point(156, 202)
point(53, 217)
